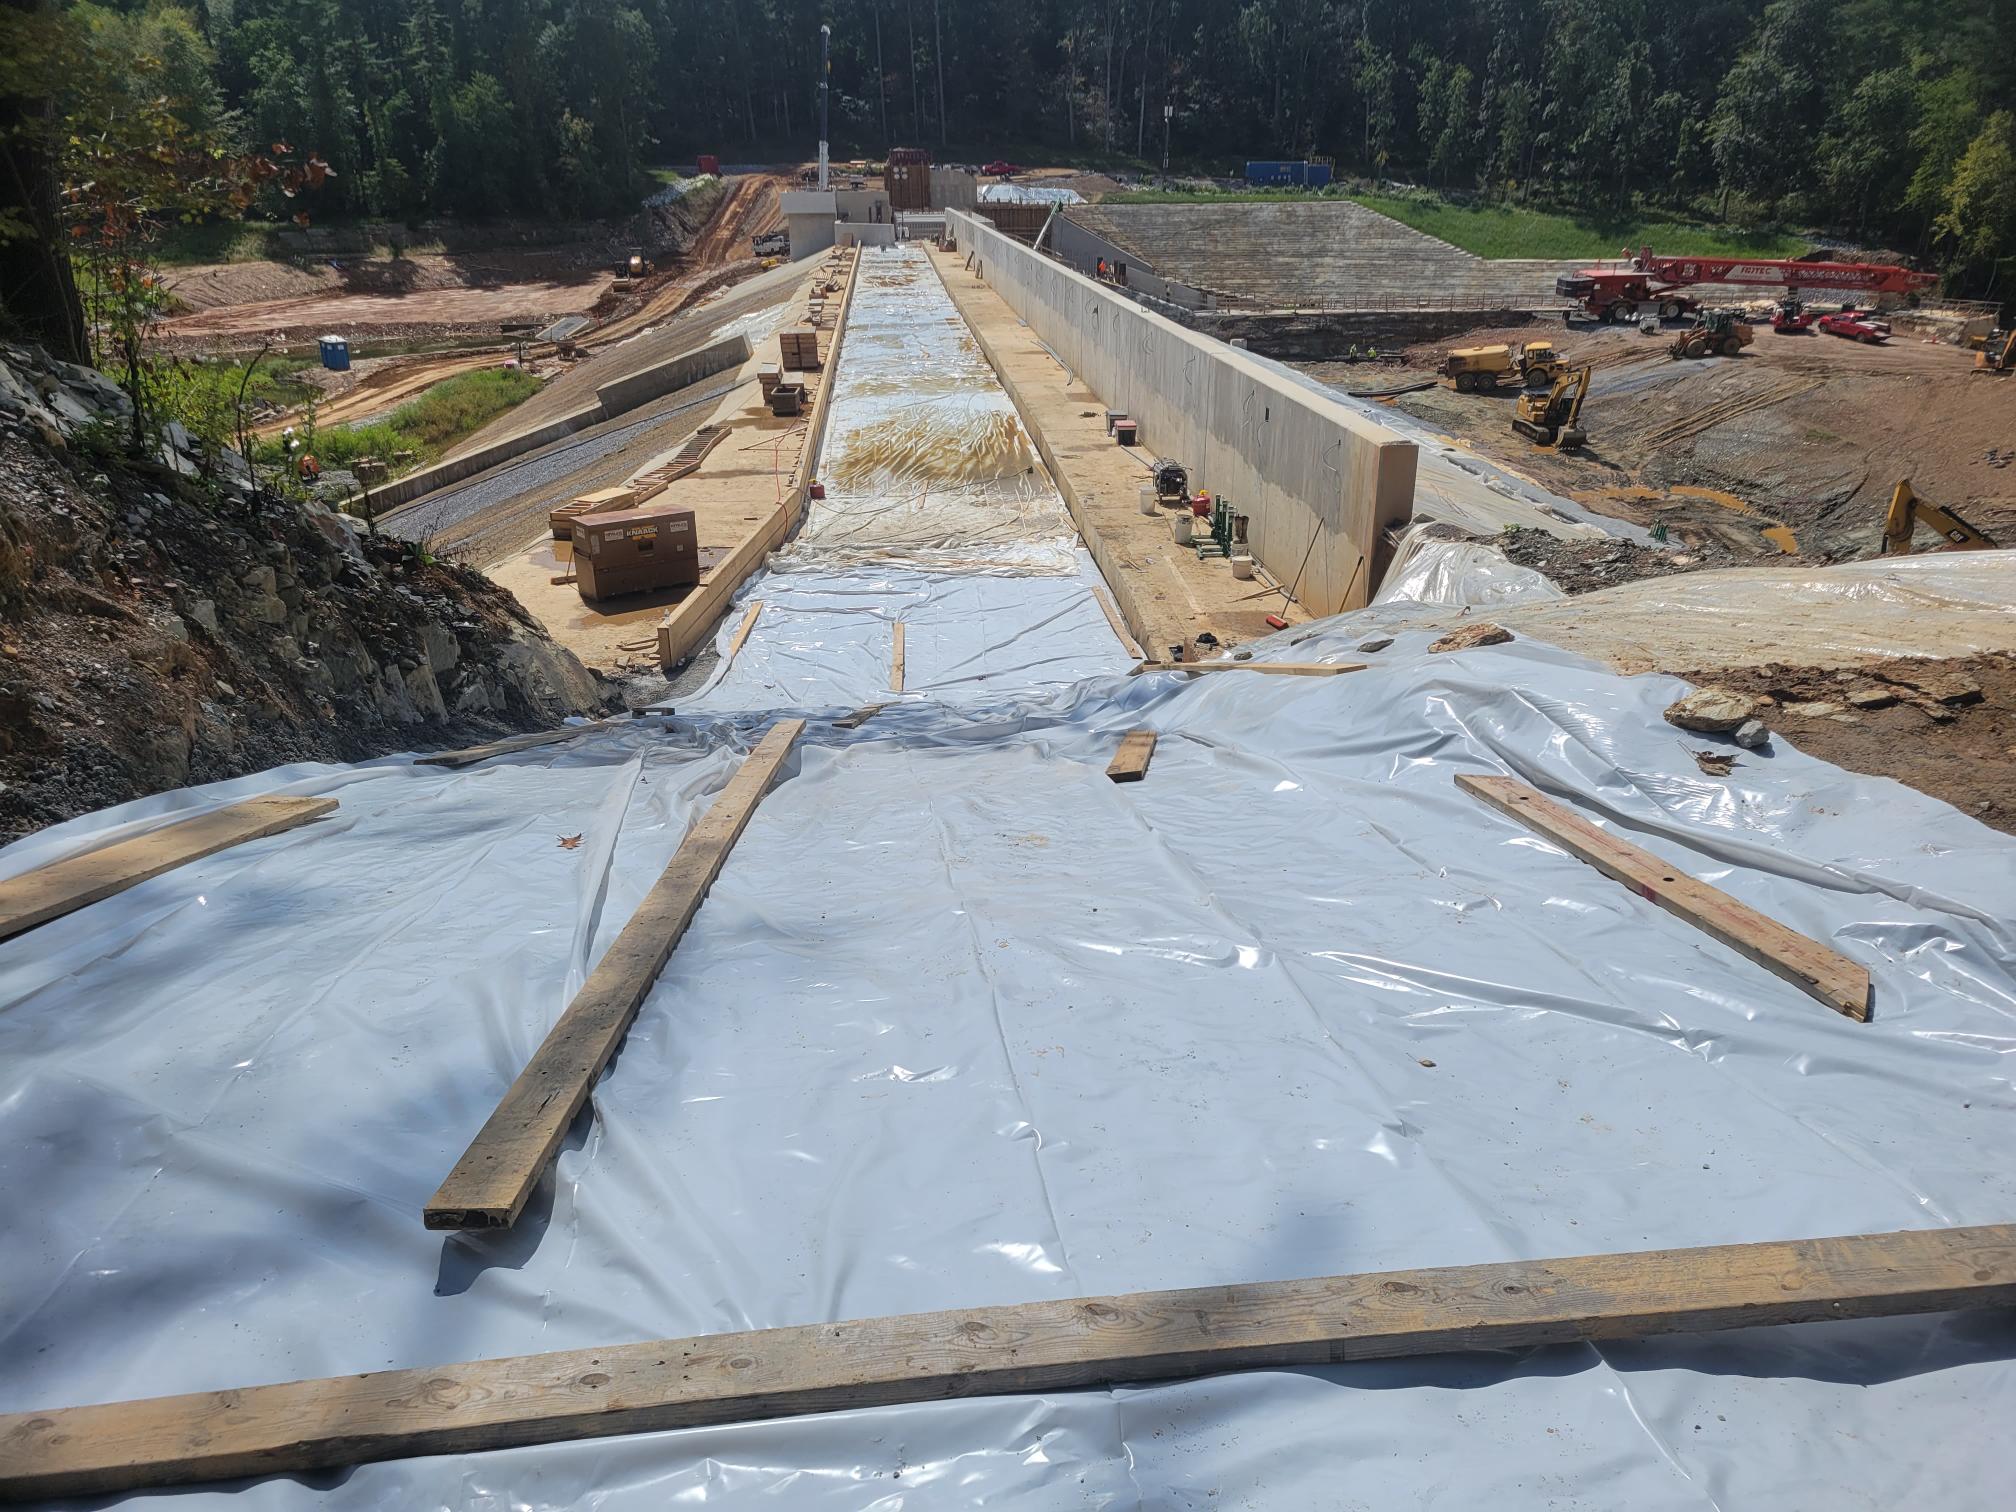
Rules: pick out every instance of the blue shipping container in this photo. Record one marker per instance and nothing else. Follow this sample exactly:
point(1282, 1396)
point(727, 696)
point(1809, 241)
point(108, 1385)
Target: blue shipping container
point(1311, 175)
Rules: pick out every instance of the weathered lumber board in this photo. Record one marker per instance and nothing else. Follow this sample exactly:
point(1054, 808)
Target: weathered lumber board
point(1031, 1347)
point(61, 887)
point(489, 1185)
point(896, 660)
point(1807, 964)
point(1119, 625)
point(1130, 762)
point(510, 744)
point(1279, 669)
point(859, 717)
point(742, 630)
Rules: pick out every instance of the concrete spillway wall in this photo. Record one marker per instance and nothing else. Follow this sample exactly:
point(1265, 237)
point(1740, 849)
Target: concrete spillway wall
point(1320, 484)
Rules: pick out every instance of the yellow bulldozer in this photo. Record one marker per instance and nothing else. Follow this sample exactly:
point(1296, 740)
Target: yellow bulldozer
point(1997, 354)
point(1550, 411)
point(1907, 512)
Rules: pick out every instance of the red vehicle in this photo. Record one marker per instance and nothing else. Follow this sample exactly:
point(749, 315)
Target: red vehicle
point(1001, 169)
point(1646, 283)
point(1856, 325)
point(1791, 317)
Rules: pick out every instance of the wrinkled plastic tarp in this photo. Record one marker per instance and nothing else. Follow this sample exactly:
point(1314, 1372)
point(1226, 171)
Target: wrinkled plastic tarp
point(963, 1022)
point(1458, 574)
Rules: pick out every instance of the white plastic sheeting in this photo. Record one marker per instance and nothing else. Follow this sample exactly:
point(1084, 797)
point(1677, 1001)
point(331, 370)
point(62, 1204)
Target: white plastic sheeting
point(964, 1022)
point(1458, 574)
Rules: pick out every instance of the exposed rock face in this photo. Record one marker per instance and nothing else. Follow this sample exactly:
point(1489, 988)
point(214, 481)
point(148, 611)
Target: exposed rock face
point(158, 631)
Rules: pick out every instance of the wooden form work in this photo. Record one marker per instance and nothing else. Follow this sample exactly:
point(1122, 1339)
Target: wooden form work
point(1113, 618)
point(1807, 964)
point(1035, 1346)
point(1130, 762)
point(1279, 669)
point(61, 887)
point(497, 1173)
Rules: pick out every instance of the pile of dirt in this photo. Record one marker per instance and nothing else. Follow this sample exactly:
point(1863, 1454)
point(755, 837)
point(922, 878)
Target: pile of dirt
point(159, 630)
point(1946, 727)
point(1581, 566)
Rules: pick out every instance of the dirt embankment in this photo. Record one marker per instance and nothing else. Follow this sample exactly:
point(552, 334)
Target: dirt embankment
point(1791, 448)
point(153, 637)
point(1945, 727)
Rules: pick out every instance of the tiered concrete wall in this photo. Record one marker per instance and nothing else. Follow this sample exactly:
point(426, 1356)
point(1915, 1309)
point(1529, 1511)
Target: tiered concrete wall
point(611, 400)
point(1318, 481)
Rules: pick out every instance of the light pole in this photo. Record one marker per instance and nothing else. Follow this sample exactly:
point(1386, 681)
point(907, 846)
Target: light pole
point(1168, 111)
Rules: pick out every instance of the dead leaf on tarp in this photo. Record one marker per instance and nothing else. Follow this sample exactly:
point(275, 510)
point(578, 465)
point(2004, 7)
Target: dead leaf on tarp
point(570, 842)
point(1714, 763)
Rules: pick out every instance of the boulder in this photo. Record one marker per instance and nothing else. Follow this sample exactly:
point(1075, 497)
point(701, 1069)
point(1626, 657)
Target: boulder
point(1714, 710)
point(1472, 635)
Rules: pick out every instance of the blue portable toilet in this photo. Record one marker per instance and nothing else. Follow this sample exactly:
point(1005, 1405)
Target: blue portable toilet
point(336, 354)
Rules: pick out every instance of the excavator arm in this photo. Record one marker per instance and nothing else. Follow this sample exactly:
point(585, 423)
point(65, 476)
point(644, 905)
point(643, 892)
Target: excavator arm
point(1907, 512)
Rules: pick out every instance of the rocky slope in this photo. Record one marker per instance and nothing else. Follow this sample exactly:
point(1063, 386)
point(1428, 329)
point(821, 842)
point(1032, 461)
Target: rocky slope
point(158, 629)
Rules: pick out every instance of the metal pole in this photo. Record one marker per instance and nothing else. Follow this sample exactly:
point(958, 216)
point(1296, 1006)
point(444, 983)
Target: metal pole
point(1167, 112)
point(825, 89)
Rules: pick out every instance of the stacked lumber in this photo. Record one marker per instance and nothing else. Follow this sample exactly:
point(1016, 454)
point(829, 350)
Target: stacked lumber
point(801, 348)
point(599, 502)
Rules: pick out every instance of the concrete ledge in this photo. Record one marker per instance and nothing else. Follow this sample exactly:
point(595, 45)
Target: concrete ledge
point(611, 400)
point(1321, 484)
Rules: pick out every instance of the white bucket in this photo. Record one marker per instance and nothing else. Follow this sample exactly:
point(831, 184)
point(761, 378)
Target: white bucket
point(1179, 527)
point(1242, 567)
point(1148, 498)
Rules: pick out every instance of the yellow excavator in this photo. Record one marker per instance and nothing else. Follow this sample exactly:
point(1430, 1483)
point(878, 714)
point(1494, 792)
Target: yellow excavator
point(1548, 412)
point(1908, 512)
point(1997, 354)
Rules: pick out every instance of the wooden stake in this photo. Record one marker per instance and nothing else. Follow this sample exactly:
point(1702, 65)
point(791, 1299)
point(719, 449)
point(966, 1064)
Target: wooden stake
point(61, 887)
point(1032, 1347)
point(1279, 669)
point(896, 661)
point(496, 1175)
point(742, 630)
point(1807, 964)
point(1130, 762)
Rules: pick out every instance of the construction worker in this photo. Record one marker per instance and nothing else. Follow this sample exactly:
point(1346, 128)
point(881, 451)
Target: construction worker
point(308, 469)
point(1102, 270)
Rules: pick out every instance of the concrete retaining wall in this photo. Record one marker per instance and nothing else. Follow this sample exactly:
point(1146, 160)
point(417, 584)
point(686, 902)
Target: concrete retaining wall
point(1318, 481)
point(612, 399)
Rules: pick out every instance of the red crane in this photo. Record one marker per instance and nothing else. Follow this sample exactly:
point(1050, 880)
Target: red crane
point(1646, 282)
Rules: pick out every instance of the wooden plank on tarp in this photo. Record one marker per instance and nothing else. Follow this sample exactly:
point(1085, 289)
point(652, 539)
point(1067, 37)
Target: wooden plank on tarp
point(61, 887)
point(1807, 964)
point(1054, 1345)
point(497, 1173)
point(1130, 762)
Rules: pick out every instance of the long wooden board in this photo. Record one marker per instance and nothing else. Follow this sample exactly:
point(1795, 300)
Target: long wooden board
point(1279, 669)
point(1807, 964)
point(1130, 762)
point(742, 630)
point(859, 717)
point(61, 887)
point(511, 744)
point(896, 660)
point(1119, 625)
point(497, 1173)
point(1035, 1346)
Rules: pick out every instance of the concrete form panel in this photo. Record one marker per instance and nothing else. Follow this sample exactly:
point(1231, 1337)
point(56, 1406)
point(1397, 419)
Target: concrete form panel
point(1320, 484)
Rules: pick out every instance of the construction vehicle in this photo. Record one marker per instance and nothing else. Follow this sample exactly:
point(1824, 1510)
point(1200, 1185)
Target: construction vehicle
point(1715, 333)
point(1548, 412)
point(1474, 370)
point(1617, 293)
point(636, 265)
point(1907, 512)
point(1791, 318)
point(1998, 352)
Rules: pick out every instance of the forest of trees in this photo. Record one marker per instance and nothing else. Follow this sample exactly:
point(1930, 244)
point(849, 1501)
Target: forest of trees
point(1889, 120)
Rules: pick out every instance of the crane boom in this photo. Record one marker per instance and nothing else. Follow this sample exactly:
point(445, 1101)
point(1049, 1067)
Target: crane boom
point(1615, 291)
